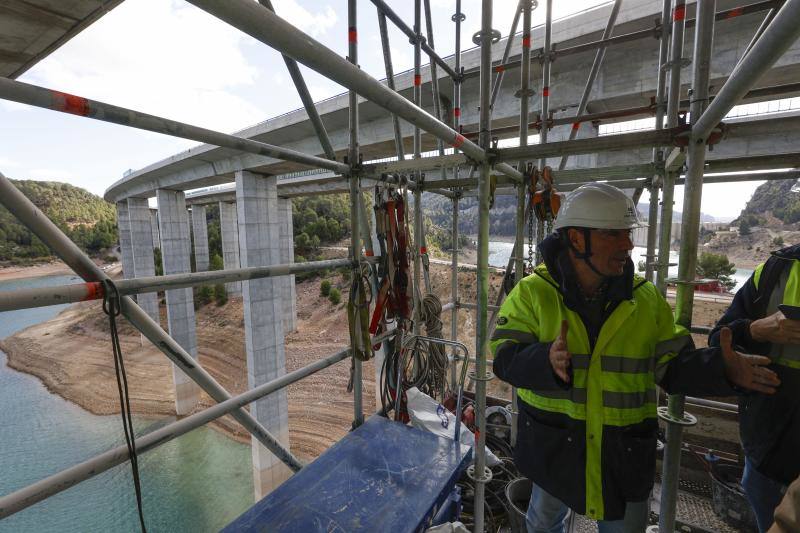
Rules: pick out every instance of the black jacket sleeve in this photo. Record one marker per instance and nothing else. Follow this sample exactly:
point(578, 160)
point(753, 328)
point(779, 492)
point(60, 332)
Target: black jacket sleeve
point(738, 318)
point(697, 372)
point(527, 366)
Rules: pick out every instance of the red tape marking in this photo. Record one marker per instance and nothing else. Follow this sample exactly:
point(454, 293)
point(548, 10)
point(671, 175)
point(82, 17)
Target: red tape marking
point(459, 140)
point(546, 91)
point(368, 253)
point(69, 103)
point(456, 111)
point(352, 35)
point(735, 12)
point(526, 42)
point(423, 250)
point(576, 125)
point(417, 79)
point(94, 291)
point(499, 68)
point(679, 13)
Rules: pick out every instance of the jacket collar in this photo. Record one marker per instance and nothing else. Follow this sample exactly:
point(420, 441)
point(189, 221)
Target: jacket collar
point(790, 252)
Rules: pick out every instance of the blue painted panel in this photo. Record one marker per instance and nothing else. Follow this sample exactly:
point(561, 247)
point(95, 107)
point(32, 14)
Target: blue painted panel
point(384, 476)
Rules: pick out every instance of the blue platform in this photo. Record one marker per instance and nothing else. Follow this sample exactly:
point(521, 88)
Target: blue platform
point(384, 476)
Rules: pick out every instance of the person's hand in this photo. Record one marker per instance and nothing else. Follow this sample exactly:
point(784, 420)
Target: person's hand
point(560, 359)
point(776, 328)
point(746, 371)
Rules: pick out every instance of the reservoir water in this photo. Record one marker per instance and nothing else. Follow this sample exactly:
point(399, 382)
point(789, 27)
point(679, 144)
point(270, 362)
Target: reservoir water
point(499, 253)
point(195, 483)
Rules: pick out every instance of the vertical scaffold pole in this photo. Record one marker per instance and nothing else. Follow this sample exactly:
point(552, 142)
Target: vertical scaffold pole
point(355, 198)
point(418, 175)
point(658, 152)
point(545, 111)
point(673, 104)
point(501, 69)
point(525, 94)
point(690, 229)
point(458, 17)
point(481, 473)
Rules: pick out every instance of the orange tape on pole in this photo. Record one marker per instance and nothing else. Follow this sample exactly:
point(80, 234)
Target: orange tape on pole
point(69, 103)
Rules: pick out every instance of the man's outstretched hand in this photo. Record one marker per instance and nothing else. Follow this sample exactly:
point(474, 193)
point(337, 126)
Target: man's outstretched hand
point(746, 371)
point(560, 358)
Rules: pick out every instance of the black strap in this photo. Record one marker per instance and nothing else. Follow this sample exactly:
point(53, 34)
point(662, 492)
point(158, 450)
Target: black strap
point(112, 308)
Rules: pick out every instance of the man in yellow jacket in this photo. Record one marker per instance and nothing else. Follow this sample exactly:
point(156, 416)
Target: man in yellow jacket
point(585, 342)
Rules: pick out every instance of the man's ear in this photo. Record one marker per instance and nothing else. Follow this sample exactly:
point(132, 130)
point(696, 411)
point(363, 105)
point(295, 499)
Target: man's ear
point(576, 239)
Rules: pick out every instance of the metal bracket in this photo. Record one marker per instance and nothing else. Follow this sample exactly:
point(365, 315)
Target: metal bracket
point(686, 420)
point(526, 93)
point(473, 375)
point(486, 478)
point(460, 16)
point(476, 39)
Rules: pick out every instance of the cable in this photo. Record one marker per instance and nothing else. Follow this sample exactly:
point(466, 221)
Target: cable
point(112, 308)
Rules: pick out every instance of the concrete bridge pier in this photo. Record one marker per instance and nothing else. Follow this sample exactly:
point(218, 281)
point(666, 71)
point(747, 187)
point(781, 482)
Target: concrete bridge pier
point(229, 232)
point(175, 249)
point(259, 242)
point(142, 245)
point(287, 256)
point(200, 232)
point(125, 245)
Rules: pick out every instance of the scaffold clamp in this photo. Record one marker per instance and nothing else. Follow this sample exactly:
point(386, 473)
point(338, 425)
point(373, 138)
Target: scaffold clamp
point(485, 478)
point(687, 419)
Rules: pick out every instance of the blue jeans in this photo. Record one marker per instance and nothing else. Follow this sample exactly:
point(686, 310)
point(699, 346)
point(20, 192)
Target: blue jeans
point(547, 514)
point(763, 493)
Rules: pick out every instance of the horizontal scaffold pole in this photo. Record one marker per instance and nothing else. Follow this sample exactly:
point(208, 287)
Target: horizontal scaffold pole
point(26, 93)
point(93, 290)
point(263, 25)
point(606, 143)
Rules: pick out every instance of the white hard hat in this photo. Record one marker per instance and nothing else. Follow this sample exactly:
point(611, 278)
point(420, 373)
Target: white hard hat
point(598, 206)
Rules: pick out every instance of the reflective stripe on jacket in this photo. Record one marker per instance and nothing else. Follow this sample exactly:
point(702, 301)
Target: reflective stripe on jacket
point(786, 291)
point(590, 443)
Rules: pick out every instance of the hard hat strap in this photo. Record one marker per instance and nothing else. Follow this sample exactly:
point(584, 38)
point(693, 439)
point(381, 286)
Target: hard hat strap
point(587, 250)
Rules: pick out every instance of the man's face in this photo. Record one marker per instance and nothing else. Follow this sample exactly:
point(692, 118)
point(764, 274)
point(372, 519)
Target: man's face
point(610, 248)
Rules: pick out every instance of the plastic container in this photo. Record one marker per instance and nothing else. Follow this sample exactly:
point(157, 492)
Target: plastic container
point(729, 501)
point(518, 494)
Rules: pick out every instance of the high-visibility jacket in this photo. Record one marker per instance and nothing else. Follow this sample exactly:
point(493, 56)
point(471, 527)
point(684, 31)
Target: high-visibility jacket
point(769, 425)
point(592, 442)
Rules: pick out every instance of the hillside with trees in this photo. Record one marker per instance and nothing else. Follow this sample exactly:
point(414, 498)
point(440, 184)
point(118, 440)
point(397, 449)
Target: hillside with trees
point(87, 219)
point(773, 198)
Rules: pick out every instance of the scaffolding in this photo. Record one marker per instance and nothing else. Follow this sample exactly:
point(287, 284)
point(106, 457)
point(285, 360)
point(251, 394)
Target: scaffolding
point(672, 145)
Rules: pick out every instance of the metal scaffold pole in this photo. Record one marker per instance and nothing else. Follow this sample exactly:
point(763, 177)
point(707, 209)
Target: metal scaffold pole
point(673, 104)
point(501, 71)
point(354, 155)
point(387, 61)
point(458, 17)
point(525, 94)
point(417, 175)
point(64, 248)
point(658, 152)
point(545, 111)
point(26, 93)
point(696, 154)
point(482, 474)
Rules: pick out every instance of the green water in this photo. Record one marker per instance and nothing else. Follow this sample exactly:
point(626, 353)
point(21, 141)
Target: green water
point(197, 482)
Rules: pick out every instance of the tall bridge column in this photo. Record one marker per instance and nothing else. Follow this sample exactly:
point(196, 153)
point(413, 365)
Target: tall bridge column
point(142, 245)
point(125, 247)
point(287, 256)
point(175, 249)
point(229, 232)
point(154, 227)
point(259, 242)
point(200, 232)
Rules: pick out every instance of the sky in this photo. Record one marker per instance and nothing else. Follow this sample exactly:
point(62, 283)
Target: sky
point(168, 58)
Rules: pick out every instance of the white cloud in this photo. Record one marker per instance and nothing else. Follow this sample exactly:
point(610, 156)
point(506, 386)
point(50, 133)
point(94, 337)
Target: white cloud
point(164, 58)
point(314, 24)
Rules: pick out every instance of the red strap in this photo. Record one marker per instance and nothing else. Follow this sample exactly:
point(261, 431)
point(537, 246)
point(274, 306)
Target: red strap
point(377, 314)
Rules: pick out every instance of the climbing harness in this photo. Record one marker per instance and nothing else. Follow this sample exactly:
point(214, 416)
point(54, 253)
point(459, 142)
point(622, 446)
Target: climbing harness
point(112, 308)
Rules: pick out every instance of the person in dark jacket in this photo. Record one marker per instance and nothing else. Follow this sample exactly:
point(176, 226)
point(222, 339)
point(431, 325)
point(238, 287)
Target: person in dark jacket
point(769, 425)
point(585, 342)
